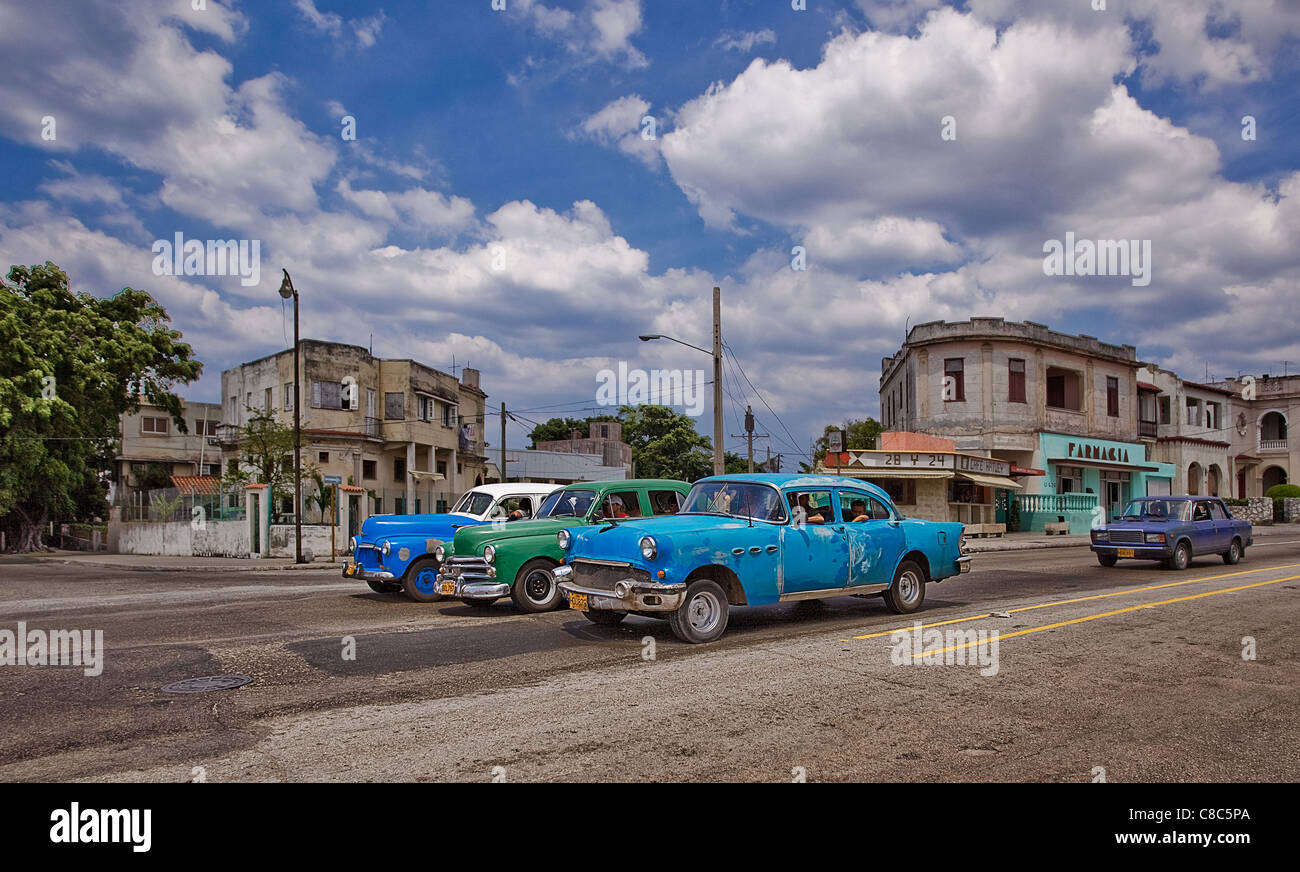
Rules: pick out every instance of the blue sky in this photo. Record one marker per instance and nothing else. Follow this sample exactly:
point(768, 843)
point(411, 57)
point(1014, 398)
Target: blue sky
point(520, 130)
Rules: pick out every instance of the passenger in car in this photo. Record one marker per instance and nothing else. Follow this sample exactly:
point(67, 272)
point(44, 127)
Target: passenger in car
point(811, 514)
point(858, 511)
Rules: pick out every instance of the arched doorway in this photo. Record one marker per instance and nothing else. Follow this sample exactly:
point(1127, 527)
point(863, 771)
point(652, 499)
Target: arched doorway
point(1272, 430)
point(1212, 480)
point(1272, 476)
point(1194, 479)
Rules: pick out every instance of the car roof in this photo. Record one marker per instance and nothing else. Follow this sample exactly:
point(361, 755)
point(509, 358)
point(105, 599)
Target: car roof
point(614, 483)
point(786, 480)
point(515, 487)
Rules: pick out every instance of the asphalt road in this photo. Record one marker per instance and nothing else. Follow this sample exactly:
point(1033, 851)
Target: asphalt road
point(1136, 671)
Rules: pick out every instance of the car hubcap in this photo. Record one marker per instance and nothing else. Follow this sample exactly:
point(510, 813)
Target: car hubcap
point(538, 586)
point(704, 612)
point(426, 581)
point(908, 587)
point(1236, 551)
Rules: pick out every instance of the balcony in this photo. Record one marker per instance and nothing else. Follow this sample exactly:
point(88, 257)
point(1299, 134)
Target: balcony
point(371, 427)
point(1272, 445)
point(1147, 429)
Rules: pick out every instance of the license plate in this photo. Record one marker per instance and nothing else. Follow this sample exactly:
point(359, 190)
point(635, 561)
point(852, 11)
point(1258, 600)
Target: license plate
point(1124, 552)
point(447, 588)
point(578, 601)
point(351, 569)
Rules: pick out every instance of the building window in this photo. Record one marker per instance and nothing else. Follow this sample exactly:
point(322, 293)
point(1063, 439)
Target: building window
point(1163, 406)
point(954, 380)
point(212, 470)
point(1193, 412)
point(394, 406)
point(604, 431)
point(399, 469)
point(1016, 380)
point(369, 469)
point(901, 490)
point(1069, 479)
point(204, 428)
point(288, 396)
point(322, 457)
point(268, 400)
point(155, 426)
point(1112, 396)
point(448, 415)
point(1211, 416)
point(426, 408)
point(326, 395)
point(1063, 389)
point(441, 468)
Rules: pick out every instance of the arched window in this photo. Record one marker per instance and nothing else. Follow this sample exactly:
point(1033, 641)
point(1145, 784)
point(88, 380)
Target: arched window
point(1194, 479)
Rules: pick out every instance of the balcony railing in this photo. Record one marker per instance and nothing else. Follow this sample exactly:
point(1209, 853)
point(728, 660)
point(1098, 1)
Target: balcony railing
point(1272, 444)
point(372, 427)
point(1147, 428)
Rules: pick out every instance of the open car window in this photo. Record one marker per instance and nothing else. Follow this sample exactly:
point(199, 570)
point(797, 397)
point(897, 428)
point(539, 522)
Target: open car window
point(567, 504)
point(618, 505)
point(812, 507)
point(756, 502)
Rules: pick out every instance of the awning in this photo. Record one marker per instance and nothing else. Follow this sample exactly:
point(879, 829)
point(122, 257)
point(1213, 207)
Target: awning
point(997, 481)
point(1100, 464)
point(420, 475)
point(890, 473)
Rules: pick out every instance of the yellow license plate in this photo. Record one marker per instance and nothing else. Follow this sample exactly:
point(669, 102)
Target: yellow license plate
point(351, 570)
point(578, 601)
point(447, 588)
point(1124, 552)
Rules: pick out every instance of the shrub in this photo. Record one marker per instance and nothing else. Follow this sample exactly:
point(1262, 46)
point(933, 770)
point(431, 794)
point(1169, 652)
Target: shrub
point(1233, 501)
point(1281, 491)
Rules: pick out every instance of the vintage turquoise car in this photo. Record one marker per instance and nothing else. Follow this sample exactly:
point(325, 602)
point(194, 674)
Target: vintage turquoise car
point(1172, 530)
point(753, 540)
point(395, 553)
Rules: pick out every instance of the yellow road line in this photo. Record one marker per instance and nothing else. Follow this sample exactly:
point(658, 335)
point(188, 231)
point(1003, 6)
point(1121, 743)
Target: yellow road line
point(1082, 599)
point(1181, 599)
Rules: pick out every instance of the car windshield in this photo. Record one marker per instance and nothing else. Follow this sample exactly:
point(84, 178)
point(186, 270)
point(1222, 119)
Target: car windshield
point(1173, 510)
point(735, 499)
point(567, 504)
point(473, 503)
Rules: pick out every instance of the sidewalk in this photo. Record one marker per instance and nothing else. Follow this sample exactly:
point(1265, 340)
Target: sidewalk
point(1031, 541)
point(151, 563)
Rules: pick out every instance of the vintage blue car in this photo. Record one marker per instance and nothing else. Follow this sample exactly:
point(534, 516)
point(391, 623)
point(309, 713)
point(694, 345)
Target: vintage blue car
point(752, 540)
point(397, 552)
point(1172, 530)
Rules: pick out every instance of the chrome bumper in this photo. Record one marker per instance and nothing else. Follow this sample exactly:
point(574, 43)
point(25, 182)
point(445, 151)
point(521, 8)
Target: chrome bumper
point(354, 570)
point(470, 577)
point(629, 595)
point(963, 564)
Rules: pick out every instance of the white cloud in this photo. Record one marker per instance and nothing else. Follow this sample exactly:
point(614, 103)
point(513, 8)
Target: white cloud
point(745, 41)
point(365, 31)
point(602, 30)
point(620, 124)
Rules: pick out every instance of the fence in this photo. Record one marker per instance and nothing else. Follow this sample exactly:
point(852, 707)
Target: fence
point(1078, 510)
point(171, 504)
point(428, 499)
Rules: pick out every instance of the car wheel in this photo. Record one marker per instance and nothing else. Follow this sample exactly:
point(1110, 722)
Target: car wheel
point(604, 617)
point(535, 589)
point(703, 614)
point(1106, 559)
point(384, 586)
point(1182, 557)
point(421, 581)
point(907, 592)
point(1233, 555)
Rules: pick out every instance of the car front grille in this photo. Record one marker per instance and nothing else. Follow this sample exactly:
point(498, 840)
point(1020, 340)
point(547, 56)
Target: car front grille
point(1126, 537)
point(600, 576)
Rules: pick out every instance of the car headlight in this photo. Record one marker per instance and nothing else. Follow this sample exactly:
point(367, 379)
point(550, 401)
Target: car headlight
point(440, 554)
point(648, 547)
point(1101, 535)
point(1156, 538)
point(563, 539)
point(386, 547)
point(352, 543)
point(490, 554)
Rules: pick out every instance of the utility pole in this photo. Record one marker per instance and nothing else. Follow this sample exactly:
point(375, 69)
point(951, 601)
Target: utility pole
point(749, 435)
point(503, 443)
point(719, 462)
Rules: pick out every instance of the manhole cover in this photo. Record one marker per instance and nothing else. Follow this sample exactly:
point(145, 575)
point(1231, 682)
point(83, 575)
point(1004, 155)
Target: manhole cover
point(207, 683)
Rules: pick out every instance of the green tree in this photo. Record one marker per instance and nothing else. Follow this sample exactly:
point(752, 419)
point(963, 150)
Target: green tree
point(557, 429)
point(665, 443)
point(265, 456)
point(861, 436)
point(70, 365)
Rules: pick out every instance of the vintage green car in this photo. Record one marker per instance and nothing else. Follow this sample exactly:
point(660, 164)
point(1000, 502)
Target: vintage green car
point(482, 564)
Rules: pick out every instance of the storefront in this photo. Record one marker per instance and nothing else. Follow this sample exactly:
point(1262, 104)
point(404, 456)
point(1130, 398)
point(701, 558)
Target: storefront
point(934, 485)
point(1087, 479)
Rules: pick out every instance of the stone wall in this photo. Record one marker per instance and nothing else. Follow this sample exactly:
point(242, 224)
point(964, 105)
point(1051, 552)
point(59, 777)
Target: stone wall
point(1258, 510)
point(1291, 510)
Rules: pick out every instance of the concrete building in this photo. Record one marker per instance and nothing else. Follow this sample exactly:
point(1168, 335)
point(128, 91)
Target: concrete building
point(560, 467)
point(153, 449)
point(1192, 431)
point(1263, 452)
point(604, 439)
point(410, 435)
point(1067, 406)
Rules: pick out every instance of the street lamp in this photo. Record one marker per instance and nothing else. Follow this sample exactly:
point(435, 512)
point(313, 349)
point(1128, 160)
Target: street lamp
point(719, 463)
point(287, 291)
